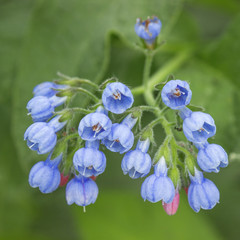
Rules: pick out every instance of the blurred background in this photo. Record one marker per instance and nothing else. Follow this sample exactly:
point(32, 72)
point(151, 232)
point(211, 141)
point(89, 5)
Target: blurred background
point(88, 39)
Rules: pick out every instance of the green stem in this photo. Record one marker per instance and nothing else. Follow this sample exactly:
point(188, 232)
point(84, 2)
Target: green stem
point(162, 73)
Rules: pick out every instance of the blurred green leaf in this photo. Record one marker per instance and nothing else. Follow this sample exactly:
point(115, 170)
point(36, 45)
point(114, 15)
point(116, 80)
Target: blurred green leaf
point(122, 215)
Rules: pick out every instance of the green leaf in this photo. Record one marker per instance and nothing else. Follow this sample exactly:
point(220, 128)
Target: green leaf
point(123, 215)
point(196, 108)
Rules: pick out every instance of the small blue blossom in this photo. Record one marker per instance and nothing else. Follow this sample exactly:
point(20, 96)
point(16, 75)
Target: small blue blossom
point(41, 108)
point(202, 193)
point(211, 157)
point(176, 94)
point(121, 138)
point(117, 97)
point(95, 126)
point(89, 161)
point(40, 137)
point(199, 127)
point(137, 163)
point(148, 29)
point(158, 186)
point(47, 89)
point(81, 191)
point(45, 175)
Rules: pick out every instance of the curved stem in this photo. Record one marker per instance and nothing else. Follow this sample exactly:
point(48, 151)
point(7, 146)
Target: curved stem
point(162, 73)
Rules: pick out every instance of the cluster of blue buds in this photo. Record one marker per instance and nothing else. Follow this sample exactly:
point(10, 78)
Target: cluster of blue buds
point(77, 138)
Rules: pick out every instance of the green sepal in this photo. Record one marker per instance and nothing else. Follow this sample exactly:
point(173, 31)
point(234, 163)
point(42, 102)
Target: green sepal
point(107, 81)
point(65, 92)
point(160, 85)
point(174, 174)
point(163, 150)
point(190, 164)
point(148, 133)
point(59, 148)
point(196, 108)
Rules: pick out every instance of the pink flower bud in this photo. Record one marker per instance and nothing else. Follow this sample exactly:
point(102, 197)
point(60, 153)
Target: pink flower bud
point(186, 190)
point(171, 208)
point(64, 180)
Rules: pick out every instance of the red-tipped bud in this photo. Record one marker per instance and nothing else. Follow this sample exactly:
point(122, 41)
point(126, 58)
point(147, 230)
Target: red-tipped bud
point(93, 177)
point(186, 190)
point(171, 208)
point(64, 180)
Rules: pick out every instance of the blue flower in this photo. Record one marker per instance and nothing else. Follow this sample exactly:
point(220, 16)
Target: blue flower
point(117, 97)
point(55, 124)
point(40, 137)
point(176, 94)
point(148, 29)
point(199, 127)
point(41, 108)
point(94, 126)
point(211, 157)
point(202, 193)
point(121, 138)
point(46, 89)
point(89, 161)
point(137, 163)
point(46, 175)
point(81, 191)
point(158, 186)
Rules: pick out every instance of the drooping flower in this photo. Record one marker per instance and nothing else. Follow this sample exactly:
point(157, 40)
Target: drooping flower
point(121, 138)
point(158, 186)
point(202, 193)
point(137, 163)
point(81, 191)
point(117, 97)
point(176, 94)
point(45, 175)
point(47, 89)
point(211, 157)
point(40, 137)
point(95, 126)
point(41, 108)
point(89, 161)
point(148, 29)
point(199, 127)
point(172, 207)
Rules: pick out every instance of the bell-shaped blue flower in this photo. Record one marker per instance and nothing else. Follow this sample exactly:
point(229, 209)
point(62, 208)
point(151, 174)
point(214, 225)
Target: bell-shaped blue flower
point(158, 186)
point(199, 127)
point(117, 97)
point(81, 191)
point(41, 108)
point(89, 161)
point(211, 157)
point(121, 138)
point(137, 163)
point(45, 175)
point(95, 126)
point(176, 94)
point(148, 29)
point(202, 193)
point(40, 137)
point(47, 89)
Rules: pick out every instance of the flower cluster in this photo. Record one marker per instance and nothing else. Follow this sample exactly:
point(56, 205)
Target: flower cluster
point(77, 138)
point(197, 127)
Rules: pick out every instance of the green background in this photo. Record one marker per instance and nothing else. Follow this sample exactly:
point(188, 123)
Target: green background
point(87, 39)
